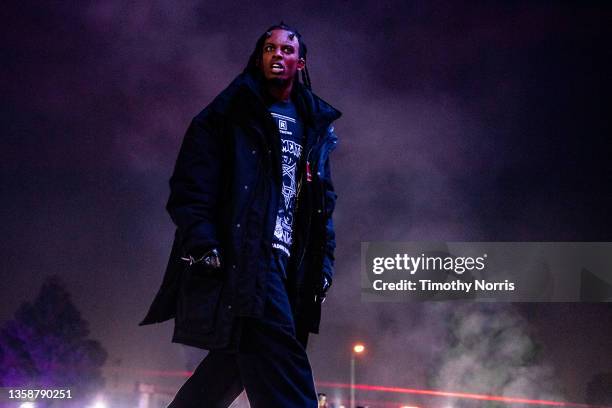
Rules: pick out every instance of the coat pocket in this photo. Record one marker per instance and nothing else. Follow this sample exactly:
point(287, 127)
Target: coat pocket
point(199, 297)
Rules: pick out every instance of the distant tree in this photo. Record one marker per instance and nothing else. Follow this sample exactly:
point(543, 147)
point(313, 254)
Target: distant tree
point(46, 345)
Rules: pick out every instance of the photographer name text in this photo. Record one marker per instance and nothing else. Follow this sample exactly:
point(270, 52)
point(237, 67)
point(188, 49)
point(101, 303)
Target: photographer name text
point(453, 286)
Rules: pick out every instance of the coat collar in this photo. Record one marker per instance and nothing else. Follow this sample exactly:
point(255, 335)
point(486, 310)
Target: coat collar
point(245, 95)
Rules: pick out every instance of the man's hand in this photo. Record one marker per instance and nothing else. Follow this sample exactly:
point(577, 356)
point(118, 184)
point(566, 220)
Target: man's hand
point(210, 259)
point(321, 291)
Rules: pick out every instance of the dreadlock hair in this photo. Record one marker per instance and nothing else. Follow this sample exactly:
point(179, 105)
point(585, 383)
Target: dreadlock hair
point(255, 58)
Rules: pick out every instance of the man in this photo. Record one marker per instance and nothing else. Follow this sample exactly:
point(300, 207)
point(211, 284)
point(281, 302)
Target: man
point(252, 198)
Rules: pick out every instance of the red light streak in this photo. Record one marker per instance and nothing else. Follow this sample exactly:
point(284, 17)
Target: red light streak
point(380, 388)
point(151, 373)
point(464, 395)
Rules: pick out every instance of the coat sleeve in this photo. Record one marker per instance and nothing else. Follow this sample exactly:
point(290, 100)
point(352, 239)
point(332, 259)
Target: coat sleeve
point(196, 184)
point(329, 244)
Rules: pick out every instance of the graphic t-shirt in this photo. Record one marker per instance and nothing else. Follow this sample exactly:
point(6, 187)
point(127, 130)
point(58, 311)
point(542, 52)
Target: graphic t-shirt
point(291, 135)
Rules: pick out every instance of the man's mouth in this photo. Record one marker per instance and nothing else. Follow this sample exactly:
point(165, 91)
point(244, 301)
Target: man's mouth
point(277, 68)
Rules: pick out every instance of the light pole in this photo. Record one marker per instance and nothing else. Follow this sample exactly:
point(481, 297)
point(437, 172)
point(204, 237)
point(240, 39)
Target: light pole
point(357, 349)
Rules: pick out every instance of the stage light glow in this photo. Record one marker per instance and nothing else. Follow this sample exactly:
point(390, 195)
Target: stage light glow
point(358, 348)
point(98, 404)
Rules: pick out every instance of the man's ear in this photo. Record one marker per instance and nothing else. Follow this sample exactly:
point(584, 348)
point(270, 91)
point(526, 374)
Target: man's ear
point(301, 64)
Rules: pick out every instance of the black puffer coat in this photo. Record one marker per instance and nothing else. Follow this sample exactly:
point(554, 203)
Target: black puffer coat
point(225, 191)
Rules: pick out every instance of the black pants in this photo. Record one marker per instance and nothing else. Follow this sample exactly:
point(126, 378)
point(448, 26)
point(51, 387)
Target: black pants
point(270, 364)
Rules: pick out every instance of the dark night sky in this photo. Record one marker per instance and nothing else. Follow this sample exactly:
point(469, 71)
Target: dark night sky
point(478, 122)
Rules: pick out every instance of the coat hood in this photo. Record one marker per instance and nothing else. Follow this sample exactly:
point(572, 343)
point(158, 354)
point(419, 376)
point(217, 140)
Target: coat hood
point(247, 89)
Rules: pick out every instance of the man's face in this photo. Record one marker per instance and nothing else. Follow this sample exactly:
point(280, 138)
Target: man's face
point(280, 56)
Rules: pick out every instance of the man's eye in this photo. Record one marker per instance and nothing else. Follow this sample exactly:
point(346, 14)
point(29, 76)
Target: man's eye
point(288, 50)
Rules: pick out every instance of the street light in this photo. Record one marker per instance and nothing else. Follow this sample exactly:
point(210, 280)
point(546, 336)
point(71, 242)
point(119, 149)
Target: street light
point(357, 349)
